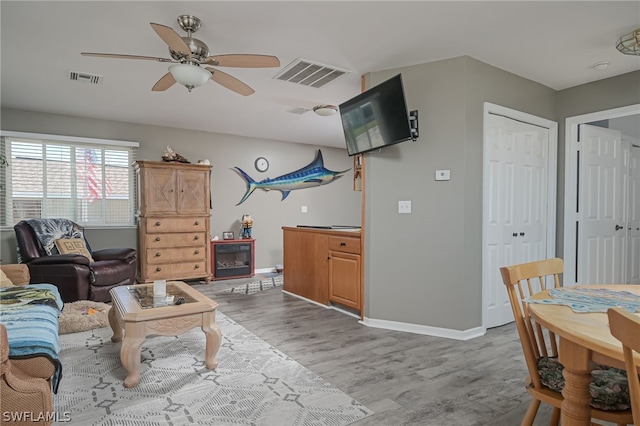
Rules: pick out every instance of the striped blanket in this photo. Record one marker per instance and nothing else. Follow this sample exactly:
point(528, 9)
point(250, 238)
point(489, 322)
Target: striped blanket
point(30, 314)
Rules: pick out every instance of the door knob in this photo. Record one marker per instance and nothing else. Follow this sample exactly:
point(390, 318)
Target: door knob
point(618, 227)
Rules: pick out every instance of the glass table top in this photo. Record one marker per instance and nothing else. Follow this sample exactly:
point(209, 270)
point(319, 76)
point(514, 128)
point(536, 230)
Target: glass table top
point(143, 294)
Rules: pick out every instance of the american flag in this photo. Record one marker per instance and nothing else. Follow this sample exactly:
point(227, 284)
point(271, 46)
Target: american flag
point(94, 186)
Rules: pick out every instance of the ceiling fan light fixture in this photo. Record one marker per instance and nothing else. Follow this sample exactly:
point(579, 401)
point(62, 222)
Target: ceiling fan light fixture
point(189, 76)
point(325, 110)
point(629, 44)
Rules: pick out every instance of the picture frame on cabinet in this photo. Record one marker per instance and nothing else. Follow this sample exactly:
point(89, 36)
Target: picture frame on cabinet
point(227, 235)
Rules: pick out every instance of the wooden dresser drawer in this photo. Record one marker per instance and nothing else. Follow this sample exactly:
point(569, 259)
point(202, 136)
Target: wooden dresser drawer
point(175, 224)
point(177, 271)
point(344, 244)
point(187, 239)
point(185, 254)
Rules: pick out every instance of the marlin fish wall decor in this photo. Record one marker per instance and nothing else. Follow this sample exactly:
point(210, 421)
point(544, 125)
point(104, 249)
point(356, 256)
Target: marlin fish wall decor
point(313, 174)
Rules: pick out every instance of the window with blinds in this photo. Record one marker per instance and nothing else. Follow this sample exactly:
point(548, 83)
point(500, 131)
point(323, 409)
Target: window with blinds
point(88, 181)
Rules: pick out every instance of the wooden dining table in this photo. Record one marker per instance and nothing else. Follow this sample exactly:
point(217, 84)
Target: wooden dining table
point(583, 337)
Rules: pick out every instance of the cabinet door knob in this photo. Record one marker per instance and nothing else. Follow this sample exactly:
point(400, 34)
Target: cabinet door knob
point(158, 269)
point(342, 244)
point(197, 251)
point(197, 237)
point(522, 234)
point(157, 238)
point(197, 222)
point(197, 266)
point(515, 234)
point(158, 254)
point(618, 227)
point(157, 223)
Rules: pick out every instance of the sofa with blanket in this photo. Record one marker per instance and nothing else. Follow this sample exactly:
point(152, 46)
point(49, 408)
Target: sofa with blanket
point(31, 368)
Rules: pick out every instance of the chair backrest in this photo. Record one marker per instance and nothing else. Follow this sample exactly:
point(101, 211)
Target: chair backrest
point(522, 281)
point(36, 237)
point(625, 327)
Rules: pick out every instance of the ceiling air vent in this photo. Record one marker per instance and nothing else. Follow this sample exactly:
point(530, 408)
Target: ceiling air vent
point(86, 77)
point(309, 73)
point(298, 110)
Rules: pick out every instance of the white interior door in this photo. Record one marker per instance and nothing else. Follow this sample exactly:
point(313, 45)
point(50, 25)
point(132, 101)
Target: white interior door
point(633, 254)
point(515, 205)
point(602, 227)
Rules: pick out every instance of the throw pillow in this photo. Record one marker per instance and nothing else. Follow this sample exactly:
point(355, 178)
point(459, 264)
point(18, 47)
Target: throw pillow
point(4, 280)
point(73, 245)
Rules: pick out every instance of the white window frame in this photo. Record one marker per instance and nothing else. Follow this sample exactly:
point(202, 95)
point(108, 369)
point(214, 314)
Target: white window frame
point(71, 141)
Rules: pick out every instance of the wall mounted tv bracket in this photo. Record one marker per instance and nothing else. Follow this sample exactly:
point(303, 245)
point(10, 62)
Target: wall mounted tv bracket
point(413, 123)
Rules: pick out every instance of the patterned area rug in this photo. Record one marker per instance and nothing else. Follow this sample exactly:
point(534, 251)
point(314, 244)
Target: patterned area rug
point(256, 286)
point(255, 384)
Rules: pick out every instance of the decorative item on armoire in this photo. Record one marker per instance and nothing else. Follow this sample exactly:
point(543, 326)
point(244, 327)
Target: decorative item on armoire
point(170, 156)
point(247, 225)
point(313, 174)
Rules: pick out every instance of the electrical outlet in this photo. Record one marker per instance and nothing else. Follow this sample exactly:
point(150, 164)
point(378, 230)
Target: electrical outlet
point(404, 206)
point(303, 209)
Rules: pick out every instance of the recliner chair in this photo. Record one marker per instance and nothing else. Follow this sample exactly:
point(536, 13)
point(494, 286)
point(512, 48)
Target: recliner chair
point(76, 277)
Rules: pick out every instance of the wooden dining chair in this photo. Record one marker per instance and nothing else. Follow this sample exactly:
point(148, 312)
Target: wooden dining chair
point(626, 328)
point(539, 345)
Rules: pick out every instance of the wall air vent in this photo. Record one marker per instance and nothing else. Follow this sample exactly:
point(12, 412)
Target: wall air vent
point(85, 77)
point(309, 73)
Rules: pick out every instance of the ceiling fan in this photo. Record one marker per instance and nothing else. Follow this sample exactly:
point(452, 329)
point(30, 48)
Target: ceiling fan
point(192, 65)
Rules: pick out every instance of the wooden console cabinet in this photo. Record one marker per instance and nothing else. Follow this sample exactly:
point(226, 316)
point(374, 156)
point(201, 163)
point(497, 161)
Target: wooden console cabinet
point(173, 221)
point(323, 265)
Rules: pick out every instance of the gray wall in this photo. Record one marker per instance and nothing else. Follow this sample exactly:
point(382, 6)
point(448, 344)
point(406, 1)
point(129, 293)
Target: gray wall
point(425, 268)
point(601, 95)
point(333, 204)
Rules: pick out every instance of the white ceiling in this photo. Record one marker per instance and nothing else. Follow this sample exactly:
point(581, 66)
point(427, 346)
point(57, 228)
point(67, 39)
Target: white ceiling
point(552, 42)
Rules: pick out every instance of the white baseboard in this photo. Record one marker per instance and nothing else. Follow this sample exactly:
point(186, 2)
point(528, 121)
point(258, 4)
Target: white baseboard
point(403, 326)
point(424, 329)
point(307, 300)
point(264, 270)
point(333, 307)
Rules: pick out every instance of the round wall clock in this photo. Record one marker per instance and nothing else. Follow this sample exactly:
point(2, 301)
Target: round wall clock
point(262, 165)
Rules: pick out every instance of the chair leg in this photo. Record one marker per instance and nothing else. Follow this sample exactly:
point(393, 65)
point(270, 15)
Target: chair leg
point(530, 415)
point(555, 417)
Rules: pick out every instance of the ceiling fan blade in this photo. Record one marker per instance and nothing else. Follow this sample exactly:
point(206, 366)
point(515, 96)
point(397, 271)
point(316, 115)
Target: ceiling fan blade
point(118, 56)
point(230, 82)
point(243, 61)
point(173, 40)
point(164, 83)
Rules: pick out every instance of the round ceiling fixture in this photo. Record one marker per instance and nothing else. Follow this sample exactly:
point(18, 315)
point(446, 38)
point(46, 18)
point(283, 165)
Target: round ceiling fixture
point(325, 110)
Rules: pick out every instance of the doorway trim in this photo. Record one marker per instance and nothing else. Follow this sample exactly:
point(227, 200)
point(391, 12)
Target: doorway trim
point(552, 184)
point(571, 184)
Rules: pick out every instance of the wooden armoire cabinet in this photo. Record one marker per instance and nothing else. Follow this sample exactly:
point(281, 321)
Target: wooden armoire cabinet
point(174, 227)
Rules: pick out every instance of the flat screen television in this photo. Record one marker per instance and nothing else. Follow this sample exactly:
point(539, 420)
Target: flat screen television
point(376, 118)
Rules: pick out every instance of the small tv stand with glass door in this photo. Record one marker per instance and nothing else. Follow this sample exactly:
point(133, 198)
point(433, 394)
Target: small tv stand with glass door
point(232, 258)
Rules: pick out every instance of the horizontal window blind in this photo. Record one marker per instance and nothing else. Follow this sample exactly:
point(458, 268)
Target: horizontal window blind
point(87, 181)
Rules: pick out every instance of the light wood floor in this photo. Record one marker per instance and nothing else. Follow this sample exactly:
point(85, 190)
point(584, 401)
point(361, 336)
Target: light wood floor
point(407, 379)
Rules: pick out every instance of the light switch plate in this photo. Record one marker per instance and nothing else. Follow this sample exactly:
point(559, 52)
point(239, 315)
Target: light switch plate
point(443, 174)
point(303, 209)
